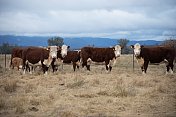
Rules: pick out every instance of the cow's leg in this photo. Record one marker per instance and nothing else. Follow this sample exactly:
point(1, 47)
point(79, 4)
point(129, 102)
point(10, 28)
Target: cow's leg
point(107, 65)
point(77, 66)
point(24, 66)
point(171, 65)
point(45, 69)
point(84, 64)
point(53, 67)
point(145, 66)
point(110, 68)
point(34, 68)
point(142, 68)
point(31, 69)
point(172, 68)
point(88, 63)
point(167, 65)
point(88, 67)
point(74, 66)
point(112, 63)
point(167, 69)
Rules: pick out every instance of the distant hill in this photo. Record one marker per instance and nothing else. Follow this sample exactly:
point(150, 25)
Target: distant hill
point(75, 42)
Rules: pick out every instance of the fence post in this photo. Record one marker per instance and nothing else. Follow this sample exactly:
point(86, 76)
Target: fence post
point(133, 61)
point(5, 60)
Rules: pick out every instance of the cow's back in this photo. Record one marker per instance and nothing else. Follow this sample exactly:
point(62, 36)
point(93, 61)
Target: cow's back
point(97, 54)
point(157, 54)
point(72, 56)
point(17, 52)
point(34, 54)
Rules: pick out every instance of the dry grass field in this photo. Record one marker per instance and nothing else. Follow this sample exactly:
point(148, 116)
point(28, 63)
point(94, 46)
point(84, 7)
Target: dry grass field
point(121, 93)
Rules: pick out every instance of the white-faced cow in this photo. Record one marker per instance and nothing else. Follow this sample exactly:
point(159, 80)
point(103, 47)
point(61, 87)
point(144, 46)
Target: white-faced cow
point(156, 54)
point(42, 56)
point(107, 55)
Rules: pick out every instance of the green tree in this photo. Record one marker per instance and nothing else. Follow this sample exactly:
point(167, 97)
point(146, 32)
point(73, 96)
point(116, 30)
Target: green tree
point(55, 41)
point(123, 43)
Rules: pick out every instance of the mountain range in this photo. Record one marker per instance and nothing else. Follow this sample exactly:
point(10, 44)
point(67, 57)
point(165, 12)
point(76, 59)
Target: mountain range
point(73, 42)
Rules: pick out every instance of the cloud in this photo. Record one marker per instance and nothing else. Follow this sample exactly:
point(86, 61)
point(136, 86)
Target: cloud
point(105, 18)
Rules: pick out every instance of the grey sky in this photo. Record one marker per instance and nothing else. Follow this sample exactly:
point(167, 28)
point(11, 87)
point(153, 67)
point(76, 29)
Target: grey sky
point(132, 19)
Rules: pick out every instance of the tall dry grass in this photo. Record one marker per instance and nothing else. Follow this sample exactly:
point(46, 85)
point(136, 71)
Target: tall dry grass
point(123, 92)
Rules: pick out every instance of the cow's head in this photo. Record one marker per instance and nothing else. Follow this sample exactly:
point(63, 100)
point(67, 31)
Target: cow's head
point(117, 50)
point(64, 50)
point(137, 49)
point(53, 51)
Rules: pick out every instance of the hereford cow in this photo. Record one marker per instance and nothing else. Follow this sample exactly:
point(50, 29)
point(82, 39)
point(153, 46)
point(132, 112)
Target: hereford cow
point(156, 54)
point(16, 62)
point(107, 55)
point(42, 56)
point(72, 57)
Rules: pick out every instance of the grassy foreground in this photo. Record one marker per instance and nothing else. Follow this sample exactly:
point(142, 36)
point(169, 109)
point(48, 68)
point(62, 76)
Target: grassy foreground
point(121, 93)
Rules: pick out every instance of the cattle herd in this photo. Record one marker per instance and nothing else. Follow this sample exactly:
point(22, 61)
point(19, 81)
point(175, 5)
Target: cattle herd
point(29, 58)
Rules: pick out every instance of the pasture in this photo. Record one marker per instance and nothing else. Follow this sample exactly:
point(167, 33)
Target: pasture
point(120, 93)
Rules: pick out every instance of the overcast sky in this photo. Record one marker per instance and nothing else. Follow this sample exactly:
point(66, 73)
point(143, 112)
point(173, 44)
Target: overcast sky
point(131, 19)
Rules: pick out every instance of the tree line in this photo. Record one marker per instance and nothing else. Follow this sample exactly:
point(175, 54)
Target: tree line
point(6, 48)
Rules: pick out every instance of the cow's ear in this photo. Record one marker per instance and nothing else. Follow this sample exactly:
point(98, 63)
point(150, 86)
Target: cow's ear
point(68, 47)
point(113, 48)
point(48, 48)
point(142, 46)
point(58, 47)
point(132, 46)
point(121, 46)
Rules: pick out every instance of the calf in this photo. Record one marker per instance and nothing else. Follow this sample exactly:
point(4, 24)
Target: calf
point(16, 62)
point(154, 54)
point(107, 55)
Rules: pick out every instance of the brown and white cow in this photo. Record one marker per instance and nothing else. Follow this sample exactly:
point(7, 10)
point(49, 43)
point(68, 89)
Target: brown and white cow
point(71, 57)
point(107, 55)
point(16, 62)
point(42, 56)
point(156, 54)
